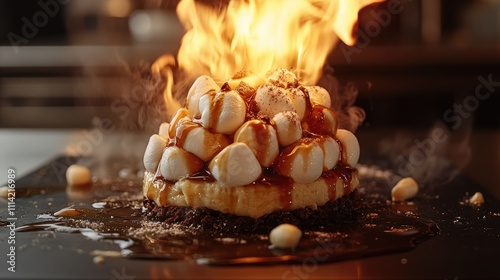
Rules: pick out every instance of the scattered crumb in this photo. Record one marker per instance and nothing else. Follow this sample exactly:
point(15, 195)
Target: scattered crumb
point(477, 199)
point(109, 254)
point(229, 240)
point(404, 261)
point(372, 215)
point(156, 229)
point(67, 212)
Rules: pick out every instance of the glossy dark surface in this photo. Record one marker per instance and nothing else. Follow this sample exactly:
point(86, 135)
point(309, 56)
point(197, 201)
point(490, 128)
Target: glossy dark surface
point(466, 246)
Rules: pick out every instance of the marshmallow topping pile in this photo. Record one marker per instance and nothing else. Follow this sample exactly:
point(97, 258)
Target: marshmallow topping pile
point(237, 134)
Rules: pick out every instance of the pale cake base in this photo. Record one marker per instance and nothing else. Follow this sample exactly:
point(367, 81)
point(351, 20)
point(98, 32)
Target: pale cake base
point(254, 200)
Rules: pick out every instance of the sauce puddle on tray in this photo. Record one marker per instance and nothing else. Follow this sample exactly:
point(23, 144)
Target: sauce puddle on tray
point(114, 213)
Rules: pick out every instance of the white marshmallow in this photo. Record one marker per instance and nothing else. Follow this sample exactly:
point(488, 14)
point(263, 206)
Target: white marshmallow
point(285, 236)
point(350, 146)
point(288, 127)
point(298, 99)
point(406, 188)
point(200, 87)
point(331, 152)
point(181, 114)
point(282, 78)
point(153, 152)
point(272, 100)
point(199, 141)
point(163, 130)
point(319, 95)
point(176, 164)
point(261, 138)
point(236, 165)
point(78, 175)
point(222, 112)
point(303, 161)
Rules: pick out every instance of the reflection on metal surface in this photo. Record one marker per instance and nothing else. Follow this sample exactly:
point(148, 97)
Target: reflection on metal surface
point(118, 217)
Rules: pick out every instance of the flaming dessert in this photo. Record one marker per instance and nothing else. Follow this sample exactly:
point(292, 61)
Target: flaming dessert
point(247, 152)
point(251, 152)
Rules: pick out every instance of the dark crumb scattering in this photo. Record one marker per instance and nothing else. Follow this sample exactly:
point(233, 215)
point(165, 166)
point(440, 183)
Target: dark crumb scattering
point(341, 210)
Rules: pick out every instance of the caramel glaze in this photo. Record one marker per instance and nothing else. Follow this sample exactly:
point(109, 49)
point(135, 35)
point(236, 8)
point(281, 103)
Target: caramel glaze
point(314, 124)
point(263, 135)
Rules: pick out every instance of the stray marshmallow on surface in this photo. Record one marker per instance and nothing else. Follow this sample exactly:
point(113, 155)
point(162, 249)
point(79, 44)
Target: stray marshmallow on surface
point(4, 192)
point(477, 199)
point(78, 175)
point(285, 236)
point(405, 189)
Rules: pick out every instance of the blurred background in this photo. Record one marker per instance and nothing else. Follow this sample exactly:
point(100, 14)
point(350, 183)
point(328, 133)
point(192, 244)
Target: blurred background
point(63, 67)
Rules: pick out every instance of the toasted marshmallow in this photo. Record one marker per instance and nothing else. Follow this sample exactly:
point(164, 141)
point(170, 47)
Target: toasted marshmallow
point(282, 78)
point(331, 152)
point(288, 127)
point(197, 140)
point(303, 161)
point(222, 112)
point(164, 128)
point(261, 138)
point(153, 152)
point(298, 99)
point(176, 163)
point(405, 189)
point(321, 120)
point(272, 100)
point(319, 95)
point(181, 114)
point(78, 175)
point(350, 146)
point(236, 165)
point(200, 87)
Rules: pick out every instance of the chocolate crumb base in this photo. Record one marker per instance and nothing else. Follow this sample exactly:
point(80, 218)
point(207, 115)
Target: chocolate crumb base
point(341, 210)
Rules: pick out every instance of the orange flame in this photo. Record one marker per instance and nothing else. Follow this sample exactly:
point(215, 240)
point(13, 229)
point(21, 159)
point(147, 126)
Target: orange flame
point(260, 35)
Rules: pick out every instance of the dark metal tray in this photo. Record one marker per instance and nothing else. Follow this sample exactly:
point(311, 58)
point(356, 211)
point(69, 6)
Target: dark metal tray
point(468, 245)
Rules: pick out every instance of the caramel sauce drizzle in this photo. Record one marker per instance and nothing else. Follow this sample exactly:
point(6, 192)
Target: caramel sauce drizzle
point(313, 121)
